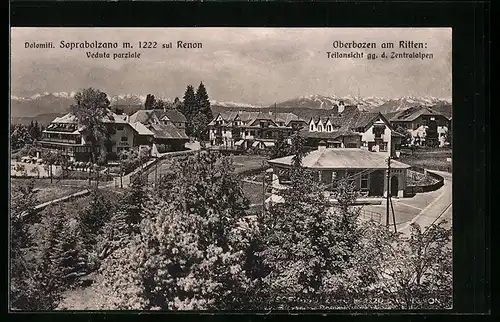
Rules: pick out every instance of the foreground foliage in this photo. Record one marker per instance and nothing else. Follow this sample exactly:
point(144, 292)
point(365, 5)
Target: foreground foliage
point(190, 244)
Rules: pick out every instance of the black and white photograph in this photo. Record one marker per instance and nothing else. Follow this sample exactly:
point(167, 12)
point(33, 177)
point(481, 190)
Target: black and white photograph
point(228, 169)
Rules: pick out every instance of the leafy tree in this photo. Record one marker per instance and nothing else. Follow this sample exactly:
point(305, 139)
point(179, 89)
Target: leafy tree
point(20, 137)
point(448, 136)
point(91, 110)
point(406, 272)
point(407, 139)
point(149, 103)
point(281, 148)
point(191, 247)
point(305, 247)
point(51, 158)
point(200, 127)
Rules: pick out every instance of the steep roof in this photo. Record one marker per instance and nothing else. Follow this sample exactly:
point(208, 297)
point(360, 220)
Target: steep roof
point(145, 117)
point(287, 118)
point(414, 112)
point(167, 131)
point(70, 118)
point(141, 129)
point(342, 158)
point(250, 117)
point(174, 116)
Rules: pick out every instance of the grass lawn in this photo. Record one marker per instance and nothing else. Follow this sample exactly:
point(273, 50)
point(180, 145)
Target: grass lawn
point(432, 159)
point(247, 162)
point(46, 191)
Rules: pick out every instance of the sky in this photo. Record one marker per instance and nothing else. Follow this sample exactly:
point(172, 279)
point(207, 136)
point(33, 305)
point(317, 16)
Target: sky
point(252, 65)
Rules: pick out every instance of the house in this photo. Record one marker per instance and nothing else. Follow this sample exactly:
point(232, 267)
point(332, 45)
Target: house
point(426, 125)
point(365, 169)
point(162, 124)
point(332, 139)
point(143, 129)
point(175, 118)
point(354, 128)
point(66, 135)
point(241, 129)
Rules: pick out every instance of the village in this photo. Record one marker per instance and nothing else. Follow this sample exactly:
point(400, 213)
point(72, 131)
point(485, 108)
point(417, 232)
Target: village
point(250, 173)
point(397, 165)
point(367, 148)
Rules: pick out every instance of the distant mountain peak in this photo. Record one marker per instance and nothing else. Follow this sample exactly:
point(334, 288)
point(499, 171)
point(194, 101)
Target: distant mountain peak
point(232, 104)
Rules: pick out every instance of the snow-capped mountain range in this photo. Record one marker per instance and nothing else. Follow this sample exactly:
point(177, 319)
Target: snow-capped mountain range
point(53, 103)
point(371, 103)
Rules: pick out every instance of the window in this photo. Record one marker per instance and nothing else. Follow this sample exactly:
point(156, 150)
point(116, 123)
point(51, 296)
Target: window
point(364, 181)
point(252, 133)
point(312, 127)
point(246, 133)
point(320, 128)
point(119, 128)
point(329, 128)
point(383, 147)
point(124, 139)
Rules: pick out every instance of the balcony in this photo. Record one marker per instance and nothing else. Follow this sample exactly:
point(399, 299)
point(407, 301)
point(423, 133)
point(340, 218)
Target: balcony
point(59, 140)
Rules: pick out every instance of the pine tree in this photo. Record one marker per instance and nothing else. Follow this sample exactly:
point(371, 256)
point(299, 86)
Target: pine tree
point(94, 217)
point(189, 108)
point(177, 104)
point(36, 284)
point(281, 148)
point(134, 202)
point(203, 102)
point(149, 103)
point(297, 150)
point(189, 103)
point(68, 254)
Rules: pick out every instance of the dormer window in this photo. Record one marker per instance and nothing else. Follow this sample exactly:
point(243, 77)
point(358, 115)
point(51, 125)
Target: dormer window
point(312, 127)
point(320, 128)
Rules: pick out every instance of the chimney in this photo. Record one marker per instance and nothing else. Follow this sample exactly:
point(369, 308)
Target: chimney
point(341, 107)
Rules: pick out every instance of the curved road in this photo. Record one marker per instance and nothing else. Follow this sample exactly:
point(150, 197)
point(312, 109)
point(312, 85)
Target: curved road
point(439, 209)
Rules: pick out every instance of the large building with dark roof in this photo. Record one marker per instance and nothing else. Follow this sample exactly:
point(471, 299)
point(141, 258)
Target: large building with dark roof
point(427, 126)
point(351, 128)
point(142, 129)
point(367, 171)
point(244, 129)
